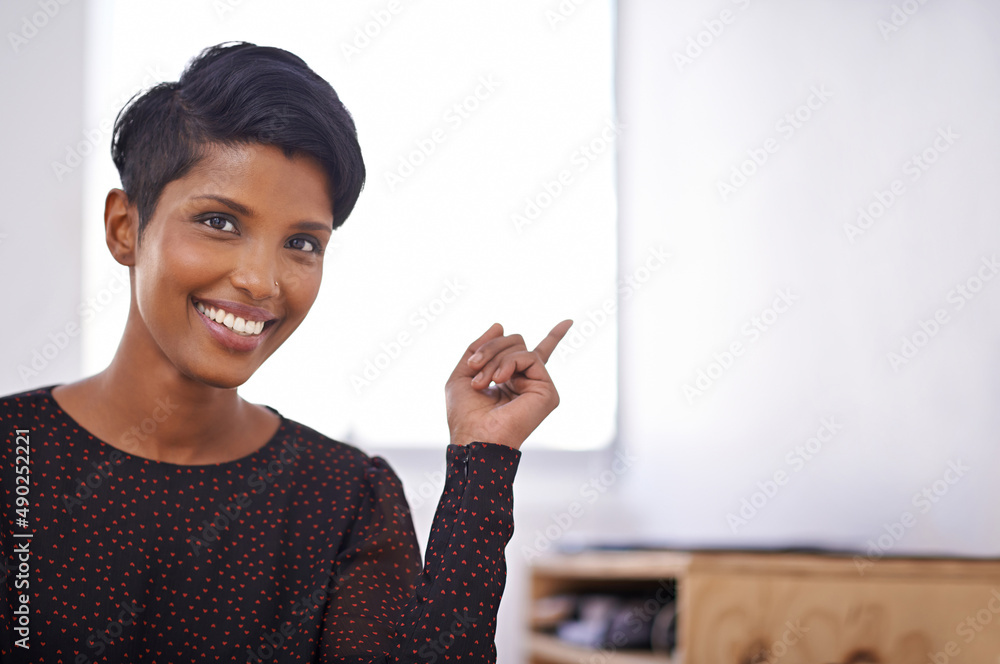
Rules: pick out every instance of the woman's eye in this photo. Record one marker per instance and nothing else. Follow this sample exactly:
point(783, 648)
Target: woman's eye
point(304, 244)
point(219, 223)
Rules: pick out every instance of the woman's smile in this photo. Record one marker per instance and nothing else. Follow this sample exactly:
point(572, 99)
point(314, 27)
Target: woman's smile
point(243, 332)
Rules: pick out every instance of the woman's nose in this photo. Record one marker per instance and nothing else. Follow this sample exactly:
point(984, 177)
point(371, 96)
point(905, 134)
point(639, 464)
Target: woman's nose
point(256, 274)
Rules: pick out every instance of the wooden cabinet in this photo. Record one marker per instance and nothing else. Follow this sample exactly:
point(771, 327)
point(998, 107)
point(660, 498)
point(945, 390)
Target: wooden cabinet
point(752, 608)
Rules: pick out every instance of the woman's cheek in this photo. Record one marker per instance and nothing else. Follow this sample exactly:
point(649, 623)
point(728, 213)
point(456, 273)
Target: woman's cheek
point(297, 277)
point(194, 257)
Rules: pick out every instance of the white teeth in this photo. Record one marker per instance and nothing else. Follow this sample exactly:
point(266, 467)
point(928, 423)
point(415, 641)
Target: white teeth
point(239, 325)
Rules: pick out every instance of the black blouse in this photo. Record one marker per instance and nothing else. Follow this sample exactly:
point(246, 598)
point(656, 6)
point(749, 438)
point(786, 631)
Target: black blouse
point(303, 551)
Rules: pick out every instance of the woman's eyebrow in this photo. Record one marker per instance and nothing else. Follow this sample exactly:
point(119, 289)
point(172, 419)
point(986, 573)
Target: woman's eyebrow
point(228, 202)
point(248, 212)
point(314, 226)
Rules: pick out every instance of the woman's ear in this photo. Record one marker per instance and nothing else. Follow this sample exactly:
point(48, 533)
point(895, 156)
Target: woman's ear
point(121, 227)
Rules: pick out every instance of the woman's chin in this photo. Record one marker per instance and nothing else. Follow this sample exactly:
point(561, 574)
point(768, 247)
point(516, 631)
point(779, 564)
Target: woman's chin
point(224, 370)
point(223, 380)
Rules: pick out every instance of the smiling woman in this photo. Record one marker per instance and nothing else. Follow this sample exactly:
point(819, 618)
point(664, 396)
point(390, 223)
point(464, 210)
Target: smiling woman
point(183, 523)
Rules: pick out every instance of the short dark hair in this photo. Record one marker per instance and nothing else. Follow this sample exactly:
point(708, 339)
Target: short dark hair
point(233, 93)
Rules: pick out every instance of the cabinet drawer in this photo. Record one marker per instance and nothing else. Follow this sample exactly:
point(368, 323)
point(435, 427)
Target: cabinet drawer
point(805, 619)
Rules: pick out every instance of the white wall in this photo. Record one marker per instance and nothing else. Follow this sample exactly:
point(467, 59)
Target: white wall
point(41, 79)
point(889, 92)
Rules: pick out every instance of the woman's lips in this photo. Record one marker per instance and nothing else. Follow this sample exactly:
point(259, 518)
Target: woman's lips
point(231, 339)
point(244, 311)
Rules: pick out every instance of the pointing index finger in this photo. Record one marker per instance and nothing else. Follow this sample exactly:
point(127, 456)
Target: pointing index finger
point(552, 339)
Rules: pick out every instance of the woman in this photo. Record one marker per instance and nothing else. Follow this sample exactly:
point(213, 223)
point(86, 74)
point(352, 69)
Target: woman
point(165, 519)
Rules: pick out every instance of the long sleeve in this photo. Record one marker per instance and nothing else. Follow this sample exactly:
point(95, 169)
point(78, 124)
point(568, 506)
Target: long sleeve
point(384, 608)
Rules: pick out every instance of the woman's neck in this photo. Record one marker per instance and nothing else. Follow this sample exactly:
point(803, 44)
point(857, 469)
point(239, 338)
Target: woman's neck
point(150, 409)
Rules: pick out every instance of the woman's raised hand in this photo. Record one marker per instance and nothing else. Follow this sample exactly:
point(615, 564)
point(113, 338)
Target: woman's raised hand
point(520, 398)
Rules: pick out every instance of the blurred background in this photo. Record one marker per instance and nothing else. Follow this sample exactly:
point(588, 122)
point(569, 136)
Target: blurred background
point(771, 222)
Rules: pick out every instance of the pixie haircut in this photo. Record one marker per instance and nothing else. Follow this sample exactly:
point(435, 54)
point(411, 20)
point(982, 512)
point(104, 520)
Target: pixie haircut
point(236, 93)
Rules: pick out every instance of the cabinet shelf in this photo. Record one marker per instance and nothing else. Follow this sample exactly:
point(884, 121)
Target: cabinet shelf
point(607, 565)
point(549, 649)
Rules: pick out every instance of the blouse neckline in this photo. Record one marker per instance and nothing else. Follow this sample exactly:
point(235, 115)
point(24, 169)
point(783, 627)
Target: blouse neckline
point(271, 442)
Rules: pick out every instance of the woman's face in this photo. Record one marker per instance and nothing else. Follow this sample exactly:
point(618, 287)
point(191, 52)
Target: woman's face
point(239, 237)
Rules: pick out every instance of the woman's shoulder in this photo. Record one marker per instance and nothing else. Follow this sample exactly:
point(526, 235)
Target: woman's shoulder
point(304, 439)
point(22, 414)
point(335, 468)
point(26, 403)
